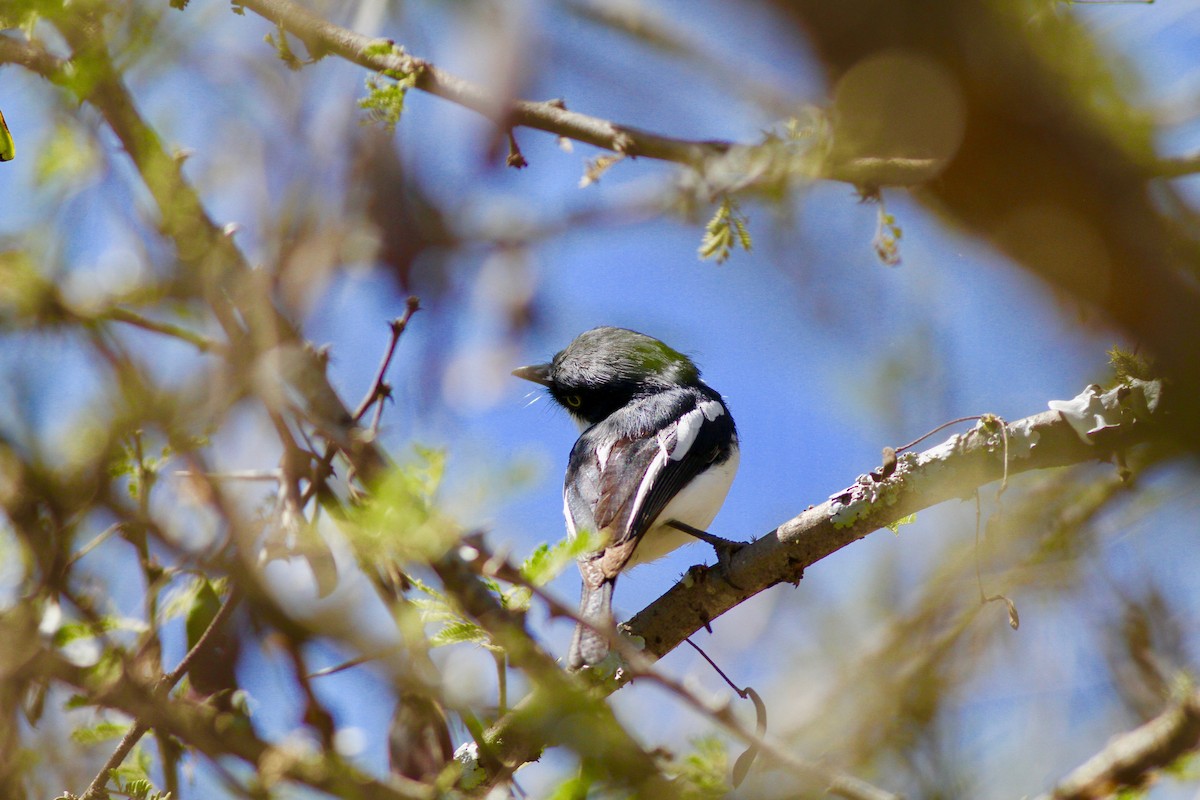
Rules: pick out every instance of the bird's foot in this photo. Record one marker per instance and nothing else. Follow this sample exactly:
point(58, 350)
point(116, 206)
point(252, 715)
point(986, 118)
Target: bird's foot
point(725, 549)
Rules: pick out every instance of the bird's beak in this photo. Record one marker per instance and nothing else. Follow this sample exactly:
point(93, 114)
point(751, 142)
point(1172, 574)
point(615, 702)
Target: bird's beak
point(538, 373)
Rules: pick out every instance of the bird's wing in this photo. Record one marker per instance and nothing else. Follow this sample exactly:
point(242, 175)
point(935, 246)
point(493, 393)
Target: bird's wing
point(624, 470)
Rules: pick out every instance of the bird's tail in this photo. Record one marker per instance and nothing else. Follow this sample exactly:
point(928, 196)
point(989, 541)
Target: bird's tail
point(595, 606)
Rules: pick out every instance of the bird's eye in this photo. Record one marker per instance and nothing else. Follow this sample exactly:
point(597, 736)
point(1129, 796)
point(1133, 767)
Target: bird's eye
point(574, 400)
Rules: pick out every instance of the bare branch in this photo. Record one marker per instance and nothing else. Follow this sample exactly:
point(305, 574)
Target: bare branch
point(550, 116)
point(953, 469)
point(198, 726)
point(1129, 760)
point(553, 117)
point(378, 389)
point(201, 343)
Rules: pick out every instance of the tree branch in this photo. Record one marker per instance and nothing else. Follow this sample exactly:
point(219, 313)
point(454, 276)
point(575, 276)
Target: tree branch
point(552, 116)
point(322, 36)
point(1128, 761)
point(201, 727)
point(636, 665)
point(956, 468)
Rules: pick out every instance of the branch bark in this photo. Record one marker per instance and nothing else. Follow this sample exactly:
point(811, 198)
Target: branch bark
point(322, 36)
point(200, 727)
point(1130, 760)
point(956, 468)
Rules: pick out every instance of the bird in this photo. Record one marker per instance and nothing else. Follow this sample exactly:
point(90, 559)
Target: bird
point(658, 449)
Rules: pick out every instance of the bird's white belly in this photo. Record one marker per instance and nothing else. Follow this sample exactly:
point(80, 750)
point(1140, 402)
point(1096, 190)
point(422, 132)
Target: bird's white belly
point(696, 505)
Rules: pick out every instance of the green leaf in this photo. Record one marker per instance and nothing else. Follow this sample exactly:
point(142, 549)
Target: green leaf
point(894, 527)
point(887, 233)
point(1127, 366)
point(382, 47)
point(727, 229)
point(456, 629)
point(100, 732)
point(136, 767)
point(283, 49)
point(78, 701)
point(386, 91)
point(8, 148)
point(459, 632)
point(66, 159)
point(702, 772)
point(573, 788)
point(546, 563)
point(27, 296)
point(205, 605)
point(400, 523)
point(516, 598)
point(181, 598)
point(74, 631)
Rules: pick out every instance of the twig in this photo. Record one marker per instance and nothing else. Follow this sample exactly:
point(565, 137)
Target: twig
point(375, 394)
point(345, 665)
point(941, 427)
point(550, 116)
point(201, 343)
point(398, 326)
point(95, 790)
point(250, 321)
point(515, 158)
point(99, 539)
point(742, 693)
point(271, 475)
point(1014, 619)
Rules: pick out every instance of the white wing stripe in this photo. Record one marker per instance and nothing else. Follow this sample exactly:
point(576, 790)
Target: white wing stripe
point(648, 481)
point(712, 409)
point(686, 431)
point(572, 532)
point(603, 452)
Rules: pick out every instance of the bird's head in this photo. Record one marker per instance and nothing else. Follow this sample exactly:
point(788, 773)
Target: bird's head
point(604, 368)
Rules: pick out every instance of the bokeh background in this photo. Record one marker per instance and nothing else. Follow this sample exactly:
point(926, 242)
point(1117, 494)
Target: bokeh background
point(824, 354)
